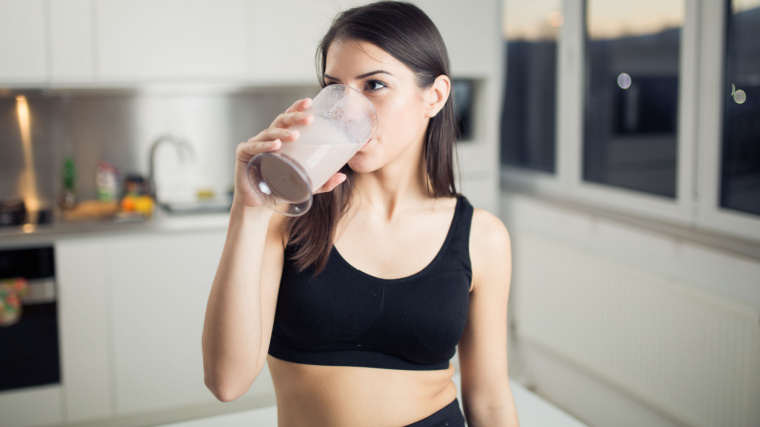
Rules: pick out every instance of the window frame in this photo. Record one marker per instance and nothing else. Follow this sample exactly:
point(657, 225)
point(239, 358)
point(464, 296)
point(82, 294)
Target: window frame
point(710, 214)
point(699, 140)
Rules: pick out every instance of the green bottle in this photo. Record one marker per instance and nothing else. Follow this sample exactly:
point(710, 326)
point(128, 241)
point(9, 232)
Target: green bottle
point(68, 198)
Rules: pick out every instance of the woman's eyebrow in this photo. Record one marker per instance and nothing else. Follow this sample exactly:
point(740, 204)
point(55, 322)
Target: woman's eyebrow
point(371, 73)
point(361, 76)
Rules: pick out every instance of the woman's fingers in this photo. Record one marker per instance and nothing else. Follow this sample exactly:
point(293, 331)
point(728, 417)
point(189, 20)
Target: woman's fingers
point(299, 105)
point(286, 120)
point(333, 182)
point(246, 150)
point(285, 135)
point(294, 115)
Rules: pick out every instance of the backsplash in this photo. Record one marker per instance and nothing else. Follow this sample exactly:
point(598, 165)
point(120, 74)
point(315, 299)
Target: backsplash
point(119, 126)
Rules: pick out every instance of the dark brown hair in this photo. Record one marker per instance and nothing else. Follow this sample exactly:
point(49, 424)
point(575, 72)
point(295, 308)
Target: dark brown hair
point(407, 34)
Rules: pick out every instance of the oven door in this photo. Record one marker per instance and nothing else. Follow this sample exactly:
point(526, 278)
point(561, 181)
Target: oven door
point(30, 346)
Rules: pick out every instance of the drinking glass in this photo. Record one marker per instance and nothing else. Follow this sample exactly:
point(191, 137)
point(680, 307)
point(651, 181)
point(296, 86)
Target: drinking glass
point(286, 179)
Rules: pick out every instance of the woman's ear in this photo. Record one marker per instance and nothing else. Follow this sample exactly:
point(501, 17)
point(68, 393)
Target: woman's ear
point(436, 95)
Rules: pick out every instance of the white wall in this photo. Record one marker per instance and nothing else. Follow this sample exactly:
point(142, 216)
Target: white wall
point(564, 330)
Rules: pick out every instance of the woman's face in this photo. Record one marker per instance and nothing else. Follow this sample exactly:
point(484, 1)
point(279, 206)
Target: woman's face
point(392, 88)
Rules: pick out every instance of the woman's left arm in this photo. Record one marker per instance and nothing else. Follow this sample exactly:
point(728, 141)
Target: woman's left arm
point(486, 394)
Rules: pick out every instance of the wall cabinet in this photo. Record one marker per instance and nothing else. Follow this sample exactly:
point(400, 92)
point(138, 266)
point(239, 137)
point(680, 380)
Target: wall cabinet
point(249, 41)
point(23, 58)
point(71, 41)
point(471, 31)
point(124, 42)
point(286, 35)
point(165, 40)
point(46, 41)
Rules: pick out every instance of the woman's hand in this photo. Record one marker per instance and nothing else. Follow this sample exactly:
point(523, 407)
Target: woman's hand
point(271, 139)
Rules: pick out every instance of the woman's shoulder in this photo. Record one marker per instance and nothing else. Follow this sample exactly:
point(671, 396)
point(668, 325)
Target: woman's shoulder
point(488, 234)
point(490, 251)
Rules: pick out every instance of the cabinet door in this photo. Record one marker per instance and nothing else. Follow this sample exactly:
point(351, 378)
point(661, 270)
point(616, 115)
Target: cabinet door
point(71, 41)
point(31, 407)
point(22, 42)
point(165, 40)
point(285, 39)
point(471, 30)
point(81, 270)
point(160, 285)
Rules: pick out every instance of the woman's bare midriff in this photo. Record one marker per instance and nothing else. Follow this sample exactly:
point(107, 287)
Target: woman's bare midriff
point(338, 396)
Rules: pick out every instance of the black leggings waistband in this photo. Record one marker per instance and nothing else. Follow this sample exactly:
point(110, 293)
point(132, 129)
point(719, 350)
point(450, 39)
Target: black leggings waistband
point(450, 416)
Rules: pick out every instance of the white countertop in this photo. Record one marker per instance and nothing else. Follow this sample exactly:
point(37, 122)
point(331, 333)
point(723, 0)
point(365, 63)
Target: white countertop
point(48, 233)
point(532, 410)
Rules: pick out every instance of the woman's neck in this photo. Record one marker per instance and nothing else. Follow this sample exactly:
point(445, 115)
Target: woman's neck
point(392, 188)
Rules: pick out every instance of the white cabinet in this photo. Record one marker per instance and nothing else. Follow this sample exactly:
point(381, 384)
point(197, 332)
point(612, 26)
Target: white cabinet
point(84, 311)
point(286, 35)
point(71, 41)
point(22, 42)
point(159, 288)
point(238, 41)
point(471, 30)
point(166, 40)
point(31, 407)
point(131, 311)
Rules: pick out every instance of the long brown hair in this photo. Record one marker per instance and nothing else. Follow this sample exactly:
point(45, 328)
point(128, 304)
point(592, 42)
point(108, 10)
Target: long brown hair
point(407, 34)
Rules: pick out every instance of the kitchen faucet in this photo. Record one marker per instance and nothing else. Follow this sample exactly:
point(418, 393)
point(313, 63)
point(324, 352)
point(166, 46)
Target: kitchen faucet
point(180, 143)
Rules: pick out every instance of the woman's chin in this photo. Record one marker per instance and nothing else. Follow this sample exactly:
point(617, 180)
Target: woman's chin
point(361, 164)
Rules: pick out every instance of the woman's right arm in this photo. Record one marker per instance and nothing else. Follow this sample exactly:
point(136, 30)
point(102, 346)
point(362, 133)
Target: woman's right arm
point(241, 303)
point(243, 297)
point(234, 332)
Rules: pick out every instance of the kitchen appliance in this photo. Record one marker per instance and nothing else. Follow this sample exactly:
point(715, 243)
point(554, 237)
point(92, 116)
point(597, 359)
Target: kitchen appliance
point(14, 213)
point(29, 348)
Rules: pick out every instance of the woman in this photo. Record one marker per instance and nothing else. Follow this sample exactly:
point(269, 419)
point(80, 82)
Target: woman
point(360, 303)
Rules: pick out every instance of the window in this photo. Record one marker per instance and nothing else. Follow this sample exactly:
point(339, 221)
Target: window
point(528, 124)
point(655, 112)
point(631, 94)
point(740, 171)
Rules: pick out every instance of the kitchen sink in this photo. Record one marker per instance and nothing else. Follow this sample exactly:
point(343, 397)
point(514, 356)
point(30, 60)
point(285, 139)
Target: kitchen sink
point(196, 207)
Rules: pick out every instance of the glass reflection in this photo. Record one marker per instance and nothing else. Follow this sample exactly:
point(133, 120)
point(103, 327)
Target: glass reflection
point(631, 95)
point(740, 180)
point(531, 30)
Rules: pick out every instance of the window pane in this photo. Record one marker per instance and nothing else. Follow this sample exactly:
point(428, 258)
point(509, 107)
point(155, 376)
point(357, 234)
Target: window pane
point(531, 29)
point(740, 183)
point(631, 96)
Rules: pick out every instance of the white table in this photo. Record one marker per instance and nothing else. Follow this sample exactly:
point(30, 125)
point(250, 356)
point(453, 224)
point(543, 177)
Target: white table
point(532, 410)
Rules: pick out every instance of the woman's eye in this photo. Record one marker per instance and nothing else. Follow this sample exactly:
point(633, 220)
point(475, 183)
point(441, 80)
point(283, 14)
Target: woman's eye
point(374, 85)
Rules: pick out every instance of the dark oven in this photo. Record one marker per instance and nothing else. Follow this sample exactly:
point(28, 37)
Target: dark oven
point(29, 344)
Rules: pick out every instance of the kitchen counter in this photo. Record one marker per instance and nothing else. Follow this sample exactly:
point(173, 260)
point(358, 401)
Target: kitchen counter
point(160, 223)
point(131, 299)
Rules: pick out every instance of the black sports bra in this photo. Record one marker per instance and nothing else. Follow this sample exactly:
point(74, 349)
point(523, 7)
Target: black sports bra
point(345, 317)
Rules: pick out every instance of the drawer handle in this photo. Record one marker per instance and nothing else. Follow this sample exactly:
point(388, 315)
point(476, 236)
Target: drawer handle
point(39, 291)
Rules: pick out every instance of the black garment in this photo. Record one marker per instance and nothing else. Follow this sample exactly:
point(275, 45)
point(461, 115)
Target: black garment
point(344, 317)
point(449, 416)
